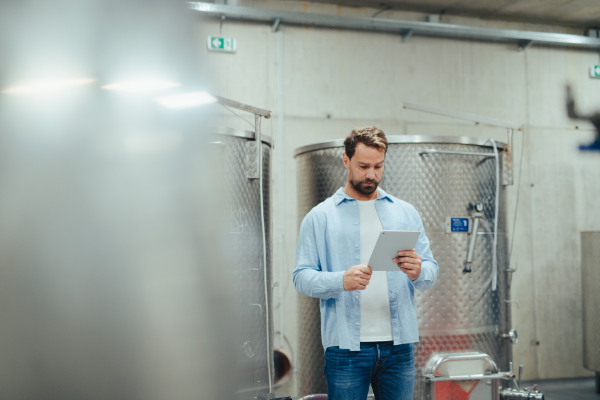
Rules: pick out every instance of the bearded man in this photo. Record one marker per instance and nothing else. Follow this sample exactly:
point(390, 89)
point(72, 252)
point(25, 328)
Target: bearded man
point(368, 319)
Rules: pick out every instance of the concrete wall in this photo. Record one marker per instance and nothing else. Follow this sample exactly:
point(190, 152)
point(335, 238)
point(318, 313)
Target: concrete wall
point(336, 80)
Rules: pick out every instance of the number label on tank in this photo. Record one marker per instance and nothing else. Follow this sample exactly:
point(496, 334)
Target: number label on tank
point(458, 225)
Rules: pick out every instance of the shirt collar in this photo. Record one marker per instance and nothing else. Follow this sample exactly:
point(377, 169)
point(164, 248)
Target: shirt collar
point(341, 196)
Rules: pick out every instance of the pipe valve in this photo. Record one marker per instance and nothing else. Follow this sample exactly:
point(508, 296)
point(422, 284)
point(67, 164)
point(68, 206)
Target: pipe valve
point(512, 336)
point(477, 215)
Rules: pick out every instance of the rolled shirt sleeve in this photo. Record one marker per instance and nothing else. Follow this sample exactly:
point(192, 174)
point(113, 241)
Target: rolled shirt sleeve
point(309, 278)
point(429, 267)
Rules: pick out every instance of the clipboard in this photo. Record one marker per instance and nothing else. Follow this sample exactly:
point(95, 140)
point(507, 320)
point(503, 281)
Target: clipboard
point(389, 243)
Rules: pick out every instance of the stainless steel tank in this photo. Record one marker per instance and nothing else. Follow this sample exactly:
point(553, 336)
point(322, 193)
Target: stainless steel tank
point(590, 276)
point(250, 277)
point(460, 312)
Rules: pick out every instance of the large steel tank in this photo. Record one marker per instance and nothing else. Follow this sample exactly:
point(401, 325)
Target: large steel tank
point(251, 278)
point(590, 276)
point(461, 312)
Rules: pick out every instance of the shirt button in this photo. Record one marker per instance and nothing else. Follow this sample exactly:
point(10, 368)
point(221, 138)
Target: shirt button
point(358, 323)
point(357, 297)
point(354, 203)
point(356, 223)
point(355, 245)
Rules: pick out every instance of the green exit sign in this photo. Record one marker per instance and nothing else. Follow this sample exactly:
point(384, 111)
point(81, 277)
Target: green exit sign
point(225, 44)
point(595, 71)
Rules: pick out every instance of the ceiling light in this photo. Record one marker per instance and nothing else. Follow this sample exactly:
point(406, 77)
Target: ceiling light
point(186, 100)
point(45, 86)
point(141, 85)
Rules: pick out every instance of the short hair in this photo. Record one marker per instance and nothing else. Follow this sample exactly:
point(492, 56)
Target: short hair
point(369, 136)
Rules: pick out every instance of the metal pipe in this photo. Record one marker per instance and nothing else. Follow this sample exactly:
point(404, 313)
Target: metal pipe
point(257, 133)
point(507, 171)
point(244, 107)
point(394, 26)
point(460, 153)
point(281, 176)
point(496, 209)
point(464, 116)
point(472, 245)
point(510, 133)
point(403, 139)
point(499, 375)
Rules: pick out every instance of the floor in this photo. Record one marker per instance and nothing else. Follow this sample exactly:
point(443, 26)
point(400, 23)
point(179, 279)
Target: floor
point(566, 389)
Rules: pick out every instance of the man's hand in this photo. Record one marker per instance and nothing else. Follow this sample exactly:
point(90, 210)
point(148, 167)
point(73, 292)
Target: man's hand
point(409, 262)
point(357, 277)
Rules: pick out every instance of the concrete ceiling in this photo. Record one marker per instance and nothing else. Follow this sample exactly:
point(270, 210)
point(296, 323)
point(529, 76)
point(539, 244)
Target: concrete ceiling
point(576, 13)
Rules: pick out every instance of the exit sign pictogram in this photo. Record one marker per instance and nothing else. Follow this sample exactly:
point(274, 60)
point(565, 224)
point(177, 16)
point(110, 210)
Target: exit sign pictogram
point(217, 43)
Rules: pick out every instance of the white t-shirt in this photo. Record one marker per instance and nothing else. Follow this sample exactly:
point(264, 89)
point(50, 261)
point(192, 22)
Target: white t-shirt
point(375, 317)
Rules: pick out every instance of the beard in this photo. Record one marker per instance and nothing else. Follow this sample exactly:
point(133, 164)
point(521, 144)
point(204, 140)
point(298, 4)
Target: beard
point(360, 187)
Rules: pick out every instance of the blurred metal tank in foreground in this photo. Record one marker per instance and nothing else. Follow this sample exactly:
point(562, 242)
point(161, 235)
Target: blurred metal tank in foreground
point(461, 312)
point(112, 283)
point(590, 276)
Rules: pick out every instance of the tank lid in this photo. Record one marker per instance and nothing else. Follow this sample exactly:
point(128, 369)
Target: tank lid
point(403, 139)
point(222, 130)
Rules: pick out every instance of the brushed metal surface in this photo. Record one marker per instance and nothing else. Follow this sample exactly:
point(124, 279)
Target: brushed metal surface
point(246, 260)
point(403, 139)
point(460, 312)
point(590, 276)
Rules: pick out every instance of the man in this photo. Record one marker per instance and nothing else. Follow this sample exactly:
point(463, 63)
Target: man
point(368, 319)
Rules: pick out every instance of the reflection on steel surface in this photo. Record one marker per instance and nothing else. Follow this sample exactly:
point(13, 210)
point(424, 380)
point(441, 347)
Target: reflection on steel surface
point(460, 312)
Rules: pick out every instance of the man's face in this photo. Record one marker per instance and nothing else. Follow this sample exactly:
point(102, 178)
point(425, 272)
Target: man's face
point(365, 168)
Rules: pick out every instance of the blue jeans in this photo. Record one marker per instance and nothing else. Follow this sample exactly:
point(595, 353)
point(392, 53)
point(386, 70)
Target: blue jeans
point(389, 369)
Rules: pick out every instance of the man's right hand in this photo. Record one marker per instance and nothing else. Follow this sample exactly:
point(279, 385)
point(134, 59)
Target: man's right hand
point(357, 277)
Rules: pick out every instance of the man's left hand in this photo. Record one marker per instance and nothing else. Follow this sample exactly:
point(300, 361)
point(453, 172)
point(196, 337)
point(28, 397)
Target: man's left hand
point(409, 262)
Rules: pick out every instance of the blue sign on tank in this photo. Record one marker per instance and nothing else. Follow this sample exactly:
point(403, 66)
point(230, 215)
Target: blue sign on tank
point(459, 224)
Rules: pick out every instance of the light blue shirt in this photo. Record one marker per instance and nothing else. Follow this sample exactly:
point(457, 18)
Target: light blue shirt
point(329, 244)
